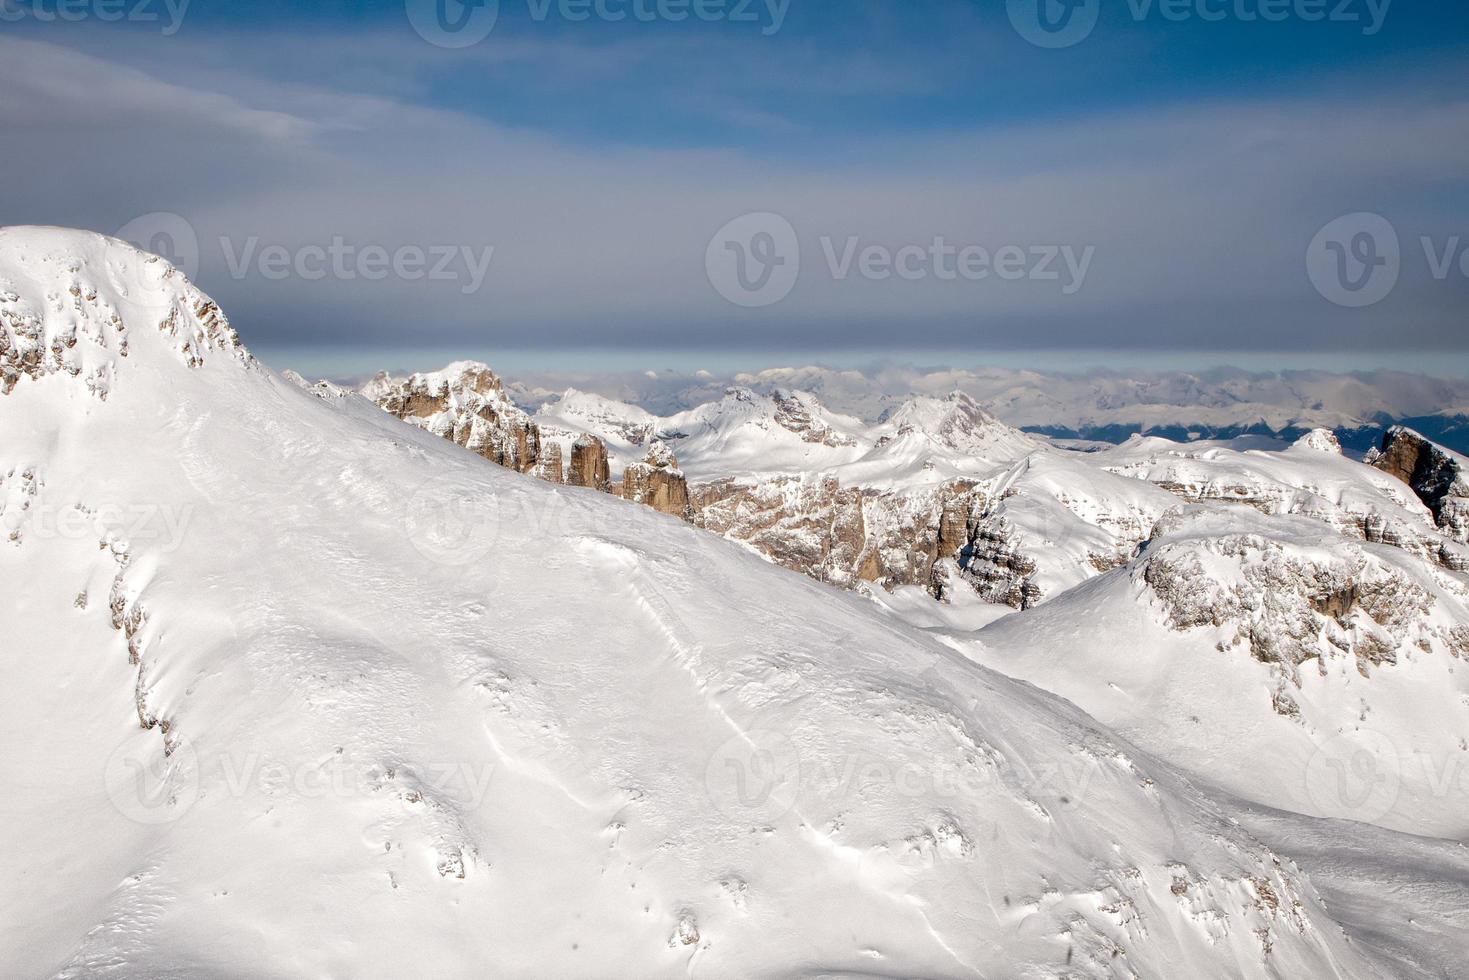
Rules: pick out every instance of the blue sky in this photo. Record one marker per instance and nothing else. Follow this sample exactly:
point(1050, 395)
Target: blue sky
point(1198, 159)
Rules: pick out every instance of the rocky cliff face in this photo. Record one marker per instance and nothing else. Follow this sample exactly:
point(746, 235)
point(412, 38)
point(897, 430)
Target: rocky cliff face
point(658, 482)
point(466, 403)
point(1435, 475)
point(589, 466)
point(798, 413)
point(847, 535)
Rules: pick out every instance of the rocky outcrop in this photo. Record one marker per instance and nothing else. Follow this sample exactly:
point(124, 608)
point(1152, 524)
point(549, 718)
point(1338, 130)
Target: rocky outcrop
point(845, 535)
point(466, 403)
point(1435, 475)
point(550, 467)
point(658, 482)
point(814, 527)
point(995, 564)
point(796, 413)
point(589, 466)
point(1289, 603)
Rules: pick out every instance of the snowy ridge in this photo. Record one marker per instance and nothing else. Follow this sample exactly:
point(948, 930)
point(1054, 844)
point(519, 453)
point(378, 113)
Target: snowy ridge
point(404, 712)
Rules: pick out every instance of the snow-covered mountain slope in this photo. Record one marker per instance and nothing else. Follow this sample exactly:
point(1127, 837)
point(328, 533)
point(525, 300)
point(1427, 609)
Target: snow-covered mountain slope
point(407, 713)
point(1287, 662)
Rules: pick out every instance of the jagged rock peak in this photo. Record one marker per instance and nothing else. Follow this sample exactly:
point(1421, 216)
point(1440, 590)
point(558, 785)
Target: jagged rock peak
point(466, 403)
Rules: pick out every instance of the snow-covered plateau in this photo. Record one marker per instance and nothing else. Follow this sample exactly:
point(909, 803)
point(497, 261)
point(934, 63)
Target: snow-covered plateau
point(294, 689)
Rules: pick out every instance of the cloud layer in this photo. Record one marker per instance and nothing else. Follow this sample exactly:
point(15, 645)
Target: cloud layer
point(1196, 213)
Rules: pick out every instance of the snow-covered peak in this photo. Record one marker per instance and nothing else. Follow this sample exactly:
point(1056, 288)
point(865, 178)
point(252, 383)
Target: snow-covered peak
point(1319, 440)
point(616, 423)
point(574, 403)
point(77, 303)
point(953, 431)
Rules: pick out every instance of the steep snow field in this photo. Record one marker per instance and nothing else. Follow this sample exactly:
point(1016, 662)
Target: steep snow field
point(294, 689)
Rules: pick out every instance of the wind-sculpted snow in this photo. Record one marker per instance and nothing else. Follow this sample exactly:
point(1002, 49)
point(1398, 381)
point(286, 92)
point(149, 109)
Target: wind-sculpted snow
point(407, 713)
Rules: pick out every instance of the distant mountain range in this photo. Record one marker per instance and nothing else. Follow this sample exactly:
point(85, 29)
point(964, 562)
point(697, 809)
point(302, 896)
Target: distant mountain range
point(1108, 407)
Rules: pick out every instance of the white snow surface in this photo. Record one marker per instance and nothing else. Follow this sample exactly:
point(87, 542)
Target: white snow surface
point(424, 716)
